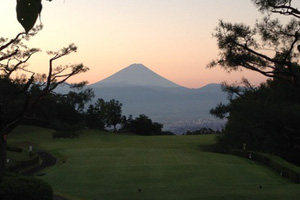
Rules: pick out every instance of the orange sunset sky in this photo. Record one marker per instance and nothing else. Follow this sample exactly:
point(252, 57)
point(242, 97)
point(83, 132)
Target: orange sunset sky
point(171, 37)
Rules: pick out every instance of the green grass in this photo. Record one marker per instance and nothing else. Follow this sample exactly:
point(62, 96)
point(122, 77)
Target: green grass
point(14, 157)
point(108, 166)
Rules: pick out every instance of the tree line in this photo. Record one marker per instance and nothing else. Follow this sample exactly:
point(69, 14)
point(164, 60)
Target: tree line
point(70, 113)
point(265, 117)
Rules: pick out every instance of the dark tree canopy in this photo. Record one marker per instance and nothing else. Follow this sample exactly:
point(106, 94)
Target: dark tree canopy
point(284, 7)
point(265, 117)
point(269, 48)
point(21, 89)
point(141, 125)
point(104, 114)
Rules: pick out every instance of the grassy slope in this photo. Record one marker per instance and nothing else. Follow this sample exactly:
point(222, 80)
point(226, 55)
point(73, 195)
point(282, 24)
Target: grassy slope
point(107, 166)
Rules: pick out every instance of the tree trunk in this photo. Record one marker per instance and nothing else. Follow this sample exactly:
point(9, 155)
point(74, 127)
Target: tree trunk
point(2, 153)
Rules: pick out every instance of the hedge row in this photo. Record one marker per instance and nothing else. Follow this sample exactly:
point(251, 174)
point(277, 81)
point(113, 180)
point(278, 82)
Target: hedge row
point(282, 167)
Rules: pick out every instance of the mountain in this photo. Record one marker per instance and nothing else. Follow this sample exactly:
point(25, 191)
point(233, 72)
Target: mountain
point(136, 75)
point(142, 91)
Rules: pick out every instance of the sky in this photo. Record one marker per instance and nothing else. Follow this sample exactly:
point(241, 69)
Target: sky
point(171, 37)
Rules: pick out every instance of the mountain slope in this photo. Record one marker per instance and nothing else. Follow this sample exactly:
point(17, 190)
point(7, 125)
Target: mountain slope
point(137, 75)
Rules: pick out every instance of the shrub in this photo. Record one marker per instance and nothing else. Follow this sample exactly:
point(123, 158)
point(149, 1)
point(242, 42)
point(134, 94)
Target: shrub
point(25, 188)
point(64, 130)
point(65, 134)
point(202, 131)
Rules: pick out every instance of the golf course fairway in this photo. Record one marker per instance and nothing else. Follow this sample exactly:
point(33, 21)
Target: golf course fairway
point(108, 166)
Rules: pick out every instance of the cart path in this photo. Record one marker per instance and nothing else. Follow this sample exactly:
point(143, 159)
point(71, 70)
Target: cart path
point(47, 161)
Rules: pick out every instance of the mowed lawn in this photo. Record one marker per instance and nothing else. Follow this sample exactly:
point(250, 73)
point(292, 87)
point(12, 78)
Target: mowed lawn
point(106, 166)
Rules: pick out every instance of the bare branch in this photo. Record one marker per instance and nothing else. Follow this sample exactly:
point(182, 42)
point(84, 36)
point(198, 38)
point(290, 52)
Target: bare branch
point(11, 41)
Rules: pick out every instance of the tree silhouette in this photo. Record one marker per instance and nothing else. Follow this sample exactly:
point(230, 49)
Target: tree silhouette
point(104, 114)
point(265, 117)
point(269, 48)
point(113, 113)
point(17, 94)
point(141, 125)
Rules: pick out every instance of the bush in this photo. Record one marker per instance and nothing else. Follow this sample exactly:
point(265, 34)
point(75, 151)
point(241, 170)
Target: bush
point(202, 131)
point(64, 130)
point(25, 188)
point(65, 134)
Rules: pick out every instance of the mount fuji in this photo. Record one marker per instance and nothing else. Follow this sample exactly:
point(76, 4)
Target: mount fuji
point(142, 91)
point(136, 75)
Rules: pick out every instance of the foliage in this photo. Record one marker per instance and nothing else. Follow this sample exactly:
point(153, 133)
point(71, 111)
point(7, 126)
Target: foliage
point(269, 48)
point(265, 118)
point(66, 130)
point(23, 98)
point(141, 125)
point(19, 94)
point(25, 188)
point(94, 119)
point(62, 112)
point(79, 97)
point(283, 7)
point(202, 131)
point(112, 113)
point(104, 114)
